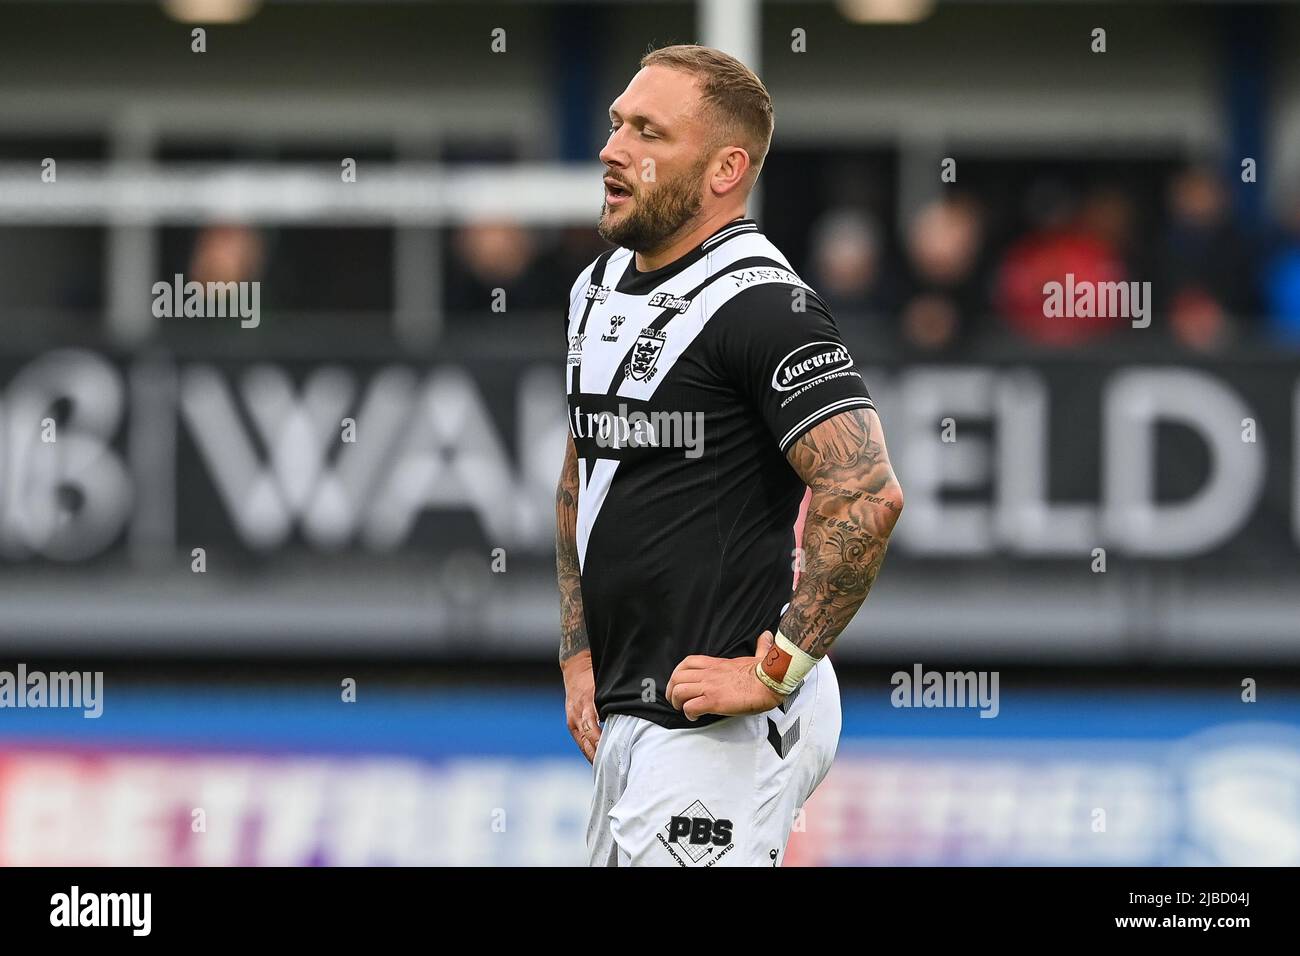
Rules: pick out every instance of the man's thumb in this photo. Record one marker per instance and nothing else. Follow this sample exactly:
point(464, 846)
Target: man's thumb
point(765, 642)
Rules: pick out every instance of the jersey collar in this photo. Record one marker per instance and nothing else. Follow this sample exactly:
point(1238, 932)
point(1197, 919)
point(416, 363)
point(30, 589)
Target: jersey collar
point(635, 282)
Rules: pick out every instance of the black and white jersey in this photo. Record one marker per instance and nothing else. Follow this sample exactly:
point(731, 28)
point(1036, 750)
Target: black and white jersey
point(686, 386)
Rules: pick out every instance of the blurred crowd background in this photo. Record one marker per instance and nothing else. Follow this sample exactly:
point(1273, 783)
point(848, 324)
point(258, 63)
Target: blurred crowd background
point(963, 272)
point(1115, 529)
point(1136, 174)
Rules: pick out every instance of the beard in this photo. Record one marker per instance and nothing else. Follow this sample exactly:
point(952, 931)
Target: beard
point(657, 214)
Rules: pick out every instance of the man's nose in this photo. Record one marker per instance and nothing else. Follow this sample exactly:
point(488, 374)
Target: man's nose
point(613, 154)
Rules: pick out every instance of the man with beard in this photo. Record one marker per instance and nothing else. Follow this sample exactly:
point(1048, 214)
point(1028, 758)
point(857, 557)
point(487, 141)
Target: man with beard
point(683, 631)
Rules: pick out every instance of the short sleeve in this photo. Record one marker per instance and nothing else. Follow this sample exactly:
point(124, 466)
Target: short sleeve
point(790, 362)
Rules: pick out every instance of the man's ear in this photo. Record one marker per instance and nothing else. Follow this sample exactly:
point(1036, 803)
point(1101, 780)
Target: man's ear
point(733, 167)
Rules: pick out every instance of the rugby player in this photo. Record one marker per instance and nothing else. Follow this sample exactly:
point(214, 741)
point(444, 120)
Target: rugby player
point(708, 391)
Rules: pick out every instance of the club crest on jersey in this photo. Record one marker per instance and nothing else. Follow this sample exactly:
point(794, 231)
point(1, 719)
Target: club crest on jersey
point(645, 355)
point(599, 293)
point(666, 300)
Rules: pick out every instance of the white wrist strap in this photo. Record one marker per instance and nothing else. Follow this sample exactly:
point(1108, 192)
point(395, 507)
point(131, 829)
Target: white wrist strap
point(791, 666)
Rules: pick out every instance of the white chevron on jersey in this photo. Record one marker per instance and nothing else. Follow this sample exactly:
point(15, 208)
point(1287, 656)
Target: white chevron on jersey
point(578, 304)
point(592, 490)
point(683, 330)
point(602, 361)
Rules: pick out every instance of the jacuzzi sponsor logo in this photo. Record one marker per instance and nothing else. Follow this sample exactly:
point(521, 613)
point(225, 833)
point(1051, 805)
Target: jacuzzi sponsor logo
point(810, 363)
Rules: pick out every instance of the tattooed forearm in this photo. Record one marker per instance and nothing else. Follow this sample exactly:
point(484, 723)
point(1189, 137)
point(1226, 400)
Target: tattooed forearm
point(573, 626)
point(855, 504)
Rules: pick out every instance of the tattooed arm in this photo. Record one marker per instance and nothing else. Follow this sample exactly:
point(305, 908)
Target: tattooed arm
point(855, 504)
point(573, 627)
point(575, 655)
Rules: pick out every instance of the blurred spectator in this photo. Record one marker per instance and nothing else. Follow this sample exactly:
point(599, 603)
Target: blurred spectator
point(844, 248)
point(1206, 268)
point(938, 294)
point(1108, 214)
point(502, 255)
point(226, 252)
point(1066, 239)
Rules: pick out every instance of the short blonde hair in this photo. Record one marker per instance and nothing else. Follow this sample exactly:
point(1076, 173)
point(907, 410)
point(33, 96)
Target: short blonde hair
point(732, 90)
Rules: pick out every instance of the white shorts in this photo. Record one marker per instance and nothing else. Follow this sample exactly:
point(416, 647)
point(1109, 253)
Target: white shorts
point(725, 794)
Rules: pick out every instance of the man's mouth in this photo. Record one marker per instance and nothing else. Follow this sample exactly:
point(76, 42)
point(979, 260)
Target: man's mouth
point(615, 192)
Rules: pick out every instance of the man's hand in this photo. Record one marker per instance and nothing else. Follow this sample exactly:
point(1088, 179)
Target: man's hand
point(722, 685)
point(580, 703)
